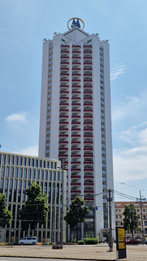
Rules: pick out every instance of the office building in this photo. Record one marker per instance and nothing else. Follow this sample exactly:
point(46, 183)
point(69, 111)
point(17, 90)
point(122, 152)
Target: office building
point(75, 117)
point(17, 172)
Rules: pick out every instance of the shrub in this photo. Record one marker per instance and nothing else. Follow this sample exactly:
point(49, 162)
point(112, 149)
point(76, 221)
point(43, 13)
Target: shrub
point(81, 242)
point(73, 240)
point(90, 240)
point(3, 243)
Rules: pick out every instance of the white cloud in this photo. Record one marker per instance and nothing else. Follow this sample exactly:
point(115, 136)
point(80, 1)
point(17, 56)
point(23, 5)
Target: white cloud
point(117, 71)
point(17, 117)
point(127, 107)
point(31, 150)
point(131, 164)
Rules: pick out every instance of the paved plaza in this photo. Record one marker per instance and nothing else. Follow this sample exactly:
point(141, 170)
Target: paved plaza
point(83, 252)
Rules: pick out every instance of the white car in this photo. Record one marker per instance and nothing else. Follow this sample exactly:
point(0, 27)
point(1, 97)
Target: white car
point(28, 241)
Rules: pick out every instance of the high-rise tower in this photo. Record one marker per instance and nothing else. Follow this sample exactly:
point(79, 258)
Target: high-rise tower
point(75, 118)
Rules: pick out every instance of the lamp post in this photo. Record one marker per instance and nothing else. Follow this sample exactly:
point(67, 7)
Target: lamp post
point(110, 221)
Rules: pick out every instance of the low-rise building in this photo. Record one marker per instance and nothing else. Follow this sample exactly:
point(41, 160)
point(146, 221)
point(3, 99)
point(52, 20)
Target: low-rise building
point(141, 210)
point(17, 172)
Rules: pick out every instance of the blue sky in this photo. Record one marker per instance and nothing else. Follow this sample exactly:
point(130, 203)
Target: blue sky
point(23, 26)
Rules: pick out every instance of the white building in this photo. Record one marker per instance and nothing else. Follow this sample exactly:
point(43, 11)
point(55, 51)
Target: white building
point(75, 118)
point(17, 172)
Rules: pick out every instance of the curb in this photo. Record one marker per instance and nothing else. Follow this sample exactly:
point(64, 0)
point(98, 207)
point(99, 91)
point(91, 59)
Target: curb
point(61, 258)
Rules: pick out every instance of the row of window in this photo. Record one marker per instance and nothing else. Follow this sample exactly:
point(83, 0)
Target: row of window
point(31, 173)
point(21, 161)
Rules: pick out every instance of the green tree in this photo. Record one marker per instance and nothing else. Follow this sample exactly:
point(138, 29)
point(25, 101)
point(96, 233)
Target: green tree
point(130, 220)
point(5, 214)
point(35, 209)
point(76, 213)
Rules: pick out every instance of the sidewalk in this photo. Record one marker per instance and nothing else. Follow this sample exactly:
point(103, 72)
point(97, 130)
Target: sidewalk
point(79, 252)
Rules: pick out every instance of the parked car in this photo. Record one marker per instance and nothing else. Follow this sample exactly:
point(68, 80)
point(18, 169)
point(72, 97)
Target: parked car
point(132, 241)
point(28, 241)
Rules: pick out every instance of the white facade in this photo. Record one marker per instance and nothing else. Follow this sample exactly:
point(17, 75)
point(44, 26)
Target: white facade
point(75, 118)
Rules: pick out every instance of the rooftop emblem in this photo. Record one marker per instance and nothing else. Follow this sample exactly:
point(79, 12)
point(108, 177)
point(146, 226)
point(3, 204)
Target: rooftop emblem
point(76, 22)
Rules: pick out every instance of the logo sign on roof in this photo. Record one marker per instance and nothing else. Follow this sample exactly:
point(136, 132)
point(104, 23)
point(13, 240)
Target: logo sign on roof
point(75, 22)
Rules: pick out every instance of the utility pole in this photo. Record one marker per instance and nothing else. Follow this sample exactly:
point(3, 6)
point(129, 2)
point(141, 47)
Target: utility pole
point(110, 221)
point(141, 216)
point(61, 234)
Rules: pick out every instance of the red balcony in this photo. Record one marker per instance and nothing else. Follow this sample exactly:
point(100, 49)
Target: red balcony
point(63, 51)
point(76, 98)
point(88, 110)
point(76, 142)
point(87, 58)
point(64, 74)
point(76, 149)
point(76, 80)
point(64, 45)
point(88, 177)
point(63, 129)
point(64, 98)
point(76, 129)
point(75, 162)
point(77, 86)
point(75, 116)
point(88, 169)
point(75, 191)
point(63, 116)
point(76, 74)
point(88, 142)
point(87, 46)
point(62, 155)
point(88, 117)
point(88, 98)
point(88, 135)
point(85, 80)
point(63, 85)
point(89, 184)
point(88, 199)
point(74, 51)
point(76, 63)
point(76, 122)
point(76, 69)
point(63, 149)
point(75, 110)
point(64, 80)
point(75, 177)
point(62, 103)
point(64, 91)
point(87, 62)
point(86, 51)
point(75, 156)
point(63, 135)
point(85, 86)
point(64, 110)
point(75, 184)
point(76, 46)
point(76, 92)
point(76, 57)
point(63, 122)
point(64, 62)
point(88, 69)
point(87, 74)
point(88, 156)
point(64, 57)
point(89, 191)
point(64, 142)
point(85, 149)
point(77, 104)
